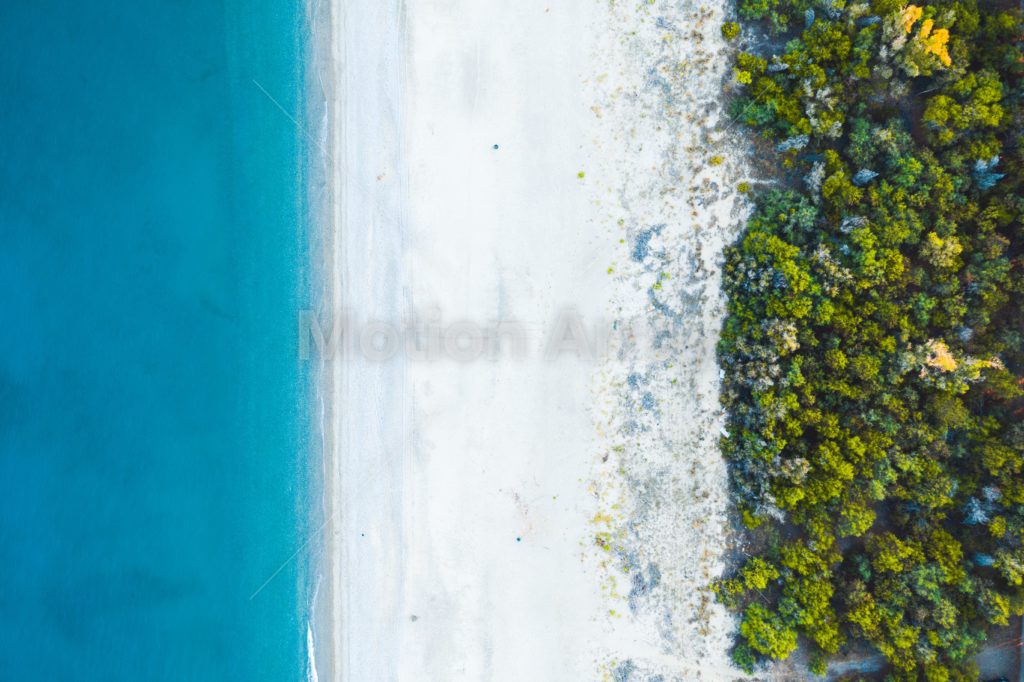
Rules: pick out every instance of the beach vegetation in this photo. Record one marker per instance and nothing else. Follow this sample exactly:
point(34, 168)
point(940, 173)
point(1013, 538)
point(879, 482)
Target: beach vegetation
point(873, 350)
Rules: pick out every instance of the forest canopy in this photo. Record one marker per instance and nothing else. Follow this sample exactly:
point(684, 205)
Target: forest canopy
point(874, 342)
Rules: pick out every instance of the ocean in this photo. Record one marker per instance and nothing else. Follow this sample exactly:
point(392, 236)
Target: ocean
point(155, 429)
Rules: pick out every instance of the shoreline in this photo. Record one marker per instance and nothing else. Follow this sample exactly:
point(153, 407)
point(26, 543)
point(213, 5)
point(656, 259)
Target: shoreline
point(320, 659)
point(358, 262)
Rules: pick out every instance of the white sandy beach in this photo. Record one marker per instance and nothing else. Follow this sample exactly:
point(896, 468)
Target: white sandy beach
point(520, 516)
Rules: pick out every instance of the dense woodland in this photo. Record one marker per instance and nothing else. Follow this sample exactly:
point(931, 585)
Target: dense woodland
point(874, 344)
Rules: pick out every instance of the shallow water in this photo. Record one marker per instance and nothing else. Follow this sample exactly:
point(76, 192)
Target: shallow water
point(153, 421)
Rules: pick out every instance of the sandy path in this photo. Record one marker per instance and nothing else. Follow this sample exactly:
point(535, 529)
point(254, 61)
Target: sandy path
point(517, 516)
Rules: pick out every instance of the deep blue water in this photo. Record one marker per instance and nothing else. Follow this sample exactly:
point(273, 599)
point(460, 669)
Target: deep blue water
point(153, 423)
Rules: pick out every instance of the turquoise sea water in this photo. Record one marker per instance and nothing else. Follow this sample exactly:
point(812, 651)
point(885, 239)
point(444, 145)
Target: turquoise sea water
point(154, 450)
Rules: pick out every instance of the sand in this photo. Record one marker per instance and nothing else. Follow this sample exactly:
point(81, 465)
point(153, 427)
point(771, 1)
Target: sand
point(535, 172)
